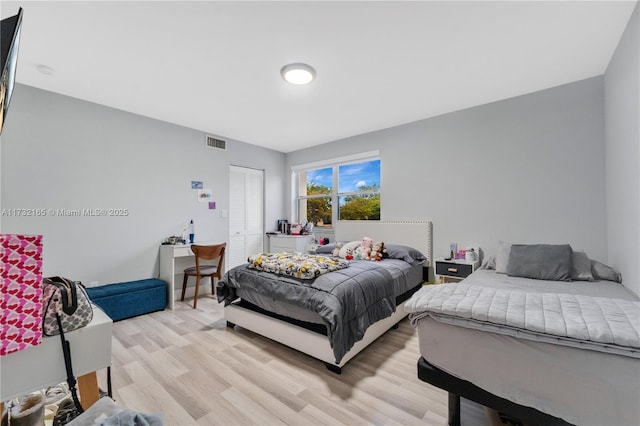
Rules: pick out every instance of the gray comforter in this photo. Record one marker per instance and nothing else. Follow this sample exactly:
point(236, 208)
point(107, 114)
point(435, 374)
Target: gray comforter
point(348, 300)
point(597, 323)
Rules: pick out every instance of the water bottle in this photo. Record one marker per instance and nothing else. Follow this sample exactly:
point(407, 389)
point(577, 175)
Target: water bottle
point(192, 234)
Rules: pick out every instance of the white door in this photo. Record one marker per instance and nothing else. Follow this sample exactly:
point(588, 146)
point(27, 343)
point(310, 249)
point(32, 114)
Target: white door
point(246, 219)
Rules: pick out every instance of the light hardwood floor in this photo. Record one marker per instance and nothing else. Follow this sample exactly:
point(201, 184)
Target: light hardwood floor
point(187, 365)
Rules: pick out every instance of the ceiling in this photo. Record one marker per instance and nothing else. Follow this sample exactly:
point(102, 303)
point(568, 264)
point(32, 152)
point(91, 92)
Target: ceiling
point(215, 66)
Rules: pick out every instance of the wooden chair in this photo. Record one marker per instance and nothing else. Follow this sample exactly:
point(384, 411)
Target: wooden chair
point(199, 271)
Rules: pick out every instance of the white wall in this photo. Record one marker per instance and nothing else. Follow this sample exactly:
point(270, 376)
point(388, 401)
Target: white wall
point(622, 109)
point(528, 169)
point(62, 153)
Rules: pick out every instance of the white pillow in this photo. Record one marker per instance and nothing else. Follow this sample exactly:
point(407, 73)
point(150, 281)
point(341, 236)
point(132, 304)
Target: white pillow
point(351, 245)
point(502, 257)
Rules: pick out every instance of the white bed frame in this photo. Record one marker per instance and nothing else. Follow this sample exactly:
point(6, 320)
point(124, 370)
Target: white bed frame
point(417, 234)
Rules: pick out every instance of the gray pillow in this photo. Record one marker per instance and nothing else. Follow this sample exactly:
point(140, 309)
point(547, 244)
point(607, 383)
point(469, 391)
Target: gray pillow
point(408, 254)
point(326, 249)
point(601, 271)
point(502, 257)
point(540, 261)
point(581, 269)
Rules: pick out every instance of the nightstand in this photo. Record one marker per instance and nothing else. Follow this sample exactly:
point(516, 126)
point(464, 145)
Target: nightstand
point(454, 270)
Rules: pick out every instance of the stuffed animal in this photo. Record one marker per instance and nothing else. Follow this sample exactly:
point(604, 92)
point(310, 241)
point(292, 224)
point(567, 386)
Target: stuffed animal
point(349, 255)
point(336, 250)
point(364, 250)
point(377, 251)
point(357, 254)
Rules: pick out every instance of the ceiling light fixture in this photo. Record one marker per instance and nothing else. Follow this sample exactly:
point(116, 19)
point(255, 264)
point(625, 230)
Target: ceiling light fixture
point(298, 73)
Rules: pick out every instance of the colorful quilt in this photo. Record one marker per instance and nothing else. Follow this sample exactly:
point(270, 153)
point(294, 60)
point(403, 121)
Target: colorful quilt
point(298, 265)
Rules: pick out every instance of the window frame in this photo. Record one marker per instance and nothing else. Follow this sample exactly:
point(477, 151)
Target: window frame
point(335, 195)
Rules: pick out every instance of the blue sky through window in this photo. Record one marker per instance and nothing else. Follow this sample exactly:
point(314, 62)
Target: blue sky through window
point(351, 176)
point(321, 177)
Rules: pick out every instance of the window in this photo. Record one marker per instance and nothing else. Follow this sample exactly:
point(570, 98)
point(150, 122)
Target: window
point(346, 190)
point(316, 196)
point(359, 191)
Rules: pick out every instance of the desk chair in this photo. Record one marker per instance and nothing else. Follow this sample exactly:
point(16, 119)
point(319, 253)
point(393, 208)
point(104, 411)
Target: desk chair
point(200, 271)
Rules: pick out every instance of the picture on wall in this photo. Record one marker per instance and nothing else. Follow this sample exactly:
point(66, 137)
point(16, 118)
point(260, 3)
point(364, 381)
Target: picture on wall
point(205, 195)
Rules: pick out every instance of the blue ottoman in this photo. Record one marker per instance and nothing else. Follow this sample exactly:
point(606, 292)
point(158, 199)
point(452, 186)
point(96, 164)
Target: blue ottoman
point(130, 299)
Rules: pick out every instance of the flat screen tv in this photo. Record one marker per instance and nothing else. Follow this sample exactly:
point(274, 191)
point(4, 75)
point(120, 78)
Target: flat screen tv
point(9, 43)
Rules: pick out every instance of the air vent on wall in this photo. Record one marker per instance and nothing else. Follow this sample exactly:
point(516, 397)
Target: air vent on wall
point(216, 143)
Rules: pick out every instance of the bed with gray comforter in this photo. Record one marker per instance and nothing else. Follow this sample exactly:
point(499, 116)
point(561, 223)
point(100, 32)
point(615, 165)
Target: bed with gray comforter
point(347, 301)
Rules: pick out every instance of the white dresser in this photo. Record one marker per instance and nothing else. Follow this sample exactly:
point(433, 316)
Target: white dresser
point(282, 243)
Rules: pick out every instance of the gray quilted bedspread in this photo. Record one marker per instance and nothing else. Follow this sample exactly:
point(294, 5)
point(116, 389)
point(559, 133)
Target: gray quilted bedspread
point(596, 323)
point(348, 300)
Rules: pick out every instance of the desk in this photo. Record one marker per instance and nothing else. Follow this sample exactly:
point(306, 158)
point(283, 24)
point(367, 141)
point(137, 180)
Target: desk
point(174, 259)
point(38, 367)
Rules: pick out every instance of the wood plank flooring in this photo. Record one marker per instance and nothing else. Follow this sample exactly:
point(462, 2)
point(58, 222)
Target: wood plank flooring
point(187, 365)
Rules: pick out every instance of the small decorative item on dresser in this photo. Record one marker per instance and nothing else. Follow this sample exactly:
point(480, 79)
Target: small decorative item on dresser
point(453, 249)
point(471, 255)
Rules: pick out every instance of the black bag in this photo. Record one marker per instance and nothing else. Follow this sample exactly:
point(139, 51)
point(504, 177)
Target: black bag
point(71, 380)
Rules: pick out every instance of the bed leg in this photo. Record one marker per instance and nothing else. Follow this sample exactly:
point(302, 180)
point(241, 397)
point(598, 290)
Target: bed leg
point(333, 368)
point(395, 326)
point(230, 324)
point(454, 409)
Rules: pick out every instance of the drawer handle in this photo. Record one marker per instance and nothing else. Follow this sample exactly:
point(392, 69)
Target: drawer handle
point(452, 269)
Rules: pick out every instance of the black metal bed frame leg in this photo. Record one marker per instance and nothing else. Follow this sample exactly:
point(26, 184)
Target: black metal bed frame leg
point(454, 409)
point(109, 388)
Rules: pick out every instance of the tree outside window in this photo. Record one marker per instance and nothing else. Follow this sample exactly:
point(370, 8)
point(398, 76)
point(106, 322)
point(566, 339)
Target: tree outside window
point(318, 209)
point(357, 197)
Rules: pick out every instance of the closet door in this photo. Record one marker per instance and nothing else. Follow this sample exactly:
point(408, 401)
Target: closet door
point(246, 218)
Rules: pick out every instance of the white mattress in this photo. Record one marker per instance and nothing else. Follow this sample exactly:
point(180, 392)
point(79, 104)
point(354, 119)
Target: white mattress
point(580, 386)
